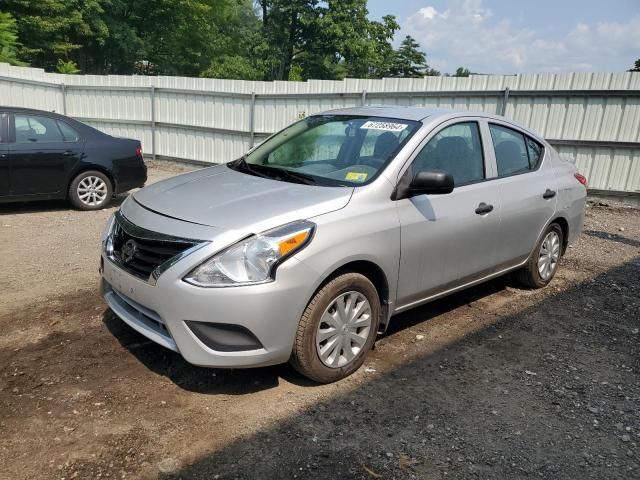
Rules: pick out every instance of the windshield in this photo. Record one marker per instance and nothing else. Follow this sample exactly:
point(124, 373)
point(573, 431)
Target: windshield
point(329, 150)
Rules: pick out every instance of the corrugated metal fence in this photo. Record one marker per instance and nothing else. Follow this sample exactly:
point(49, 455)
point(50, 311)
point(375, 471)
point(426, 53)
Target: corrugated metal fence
point(592, 117)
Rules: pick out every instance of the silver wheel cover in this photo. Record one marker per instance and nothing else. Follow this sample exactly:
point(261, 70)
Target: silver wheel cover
point(549, 255)
point(343, 329)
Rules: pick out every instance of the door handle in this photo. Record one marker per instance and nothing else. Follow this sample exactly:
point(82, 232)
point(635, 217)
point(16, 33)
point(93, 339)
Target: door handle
point(484, 208)
point(549, 194)
point(68, 153)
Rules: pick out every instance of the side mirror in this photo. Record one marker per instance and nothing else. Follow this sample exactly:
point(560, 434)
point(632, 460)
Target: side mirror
point(434, 182)
point(431, 181)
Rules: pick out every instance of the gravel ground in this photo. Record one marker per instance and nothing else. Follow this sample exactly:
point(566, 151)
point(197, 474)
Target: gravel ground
point(493, 382)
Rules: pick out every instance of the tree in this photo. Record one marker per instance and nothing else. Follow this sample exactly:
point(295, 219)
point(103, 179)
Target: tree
point(53, 29)
point(636, 66)
point(9, 40)
point(409, 61)
point(69, 67)
point(462, 72)
point(324, 40)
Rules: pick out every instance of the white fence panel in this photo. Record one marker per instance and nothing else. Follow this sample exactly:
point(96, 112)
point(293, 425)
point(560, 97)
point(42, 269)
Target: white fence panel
point(594, 118)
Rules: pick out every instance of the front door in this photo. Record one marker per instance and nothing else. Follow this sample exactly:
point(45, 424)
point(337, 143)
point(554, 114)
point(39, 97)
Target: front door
point(448, 240)
point(40, 158)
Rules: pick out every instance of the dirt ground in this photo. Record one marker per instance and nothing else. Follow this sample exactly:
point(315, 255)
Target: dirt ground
point(494, 382)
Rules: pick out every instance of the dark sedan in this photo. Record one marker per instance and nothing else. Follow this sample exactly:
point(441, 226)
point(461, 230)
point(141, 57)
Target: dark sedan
point(44, 155)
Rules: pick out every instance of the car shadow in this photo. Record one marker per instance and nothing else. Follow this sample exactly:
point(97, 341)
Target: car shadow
point(614, 237)
point(497, 403)
point(214, 381)
point(169, 364)
point(39, 206)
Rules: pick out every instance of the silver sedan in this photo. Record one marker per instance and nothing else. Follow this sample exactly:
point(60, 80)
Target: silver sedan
point(304, 249)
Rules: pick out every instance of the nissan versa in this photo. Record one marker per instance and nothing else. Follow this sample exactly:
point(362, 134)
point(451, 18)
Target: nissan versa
point(303, 249)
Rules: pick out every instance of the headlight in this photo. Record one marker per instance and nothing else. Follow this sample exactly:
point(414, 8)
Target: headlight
point(107, 228)
point(254, 259)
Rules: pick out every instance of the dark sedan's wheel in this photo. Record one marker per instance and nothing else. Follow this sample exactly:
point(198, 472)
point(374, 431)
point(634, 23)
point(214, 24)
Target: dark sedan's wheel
point(90, 190)
point(337, 329)
point(543, 263)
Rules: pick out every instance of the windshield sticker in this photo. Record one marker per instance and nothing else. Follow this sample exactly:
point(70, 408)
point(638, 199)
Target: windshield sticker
point(387, 126)
point(356, 176)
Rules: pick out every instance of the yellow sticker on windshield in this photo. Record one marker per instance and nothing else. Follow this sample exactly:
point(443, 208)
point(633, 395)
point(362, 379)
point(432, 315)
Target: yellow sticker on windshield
point(356, 176)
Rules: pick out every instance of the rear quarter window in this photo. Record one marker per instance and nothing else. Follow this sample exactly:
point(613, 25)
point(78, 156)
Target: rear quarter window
point(69, 134)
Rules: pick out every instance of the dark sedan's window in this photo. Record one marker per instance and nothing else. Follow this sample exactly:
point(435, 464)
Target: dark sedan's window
point(70, 135)
point(513, 154)
point(33, 129)
point(457, 150)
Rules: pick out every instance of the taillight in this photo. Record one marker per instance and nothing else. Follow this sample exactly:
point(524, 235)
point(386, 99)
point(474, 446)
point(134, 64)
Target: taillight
point(139, 151)
point(581, 178)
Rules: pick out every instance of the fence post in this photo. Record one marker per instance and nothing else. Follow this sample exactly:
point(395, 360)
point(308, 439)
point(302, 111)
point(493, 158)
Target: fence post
point(153, 122)
point(252, 112)
point(505, 99)
point(63, 91)
point(364, 97)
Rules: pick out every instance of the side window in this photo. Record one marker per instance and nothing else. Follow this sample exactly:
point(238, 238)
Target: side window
point(69, 134)
point(512, 153)
point(534, 149)
point(456, 149)
point(31, 128)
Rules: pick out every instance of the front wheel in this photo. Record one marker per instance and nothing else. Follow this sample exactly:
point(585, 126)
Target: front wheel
point(337, 329)
point(90, 191)
point(543, 263)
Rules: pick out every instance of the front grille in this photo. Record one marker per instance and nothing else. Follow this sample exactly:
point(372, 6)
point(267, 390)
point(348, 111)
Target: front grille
point(140, 251)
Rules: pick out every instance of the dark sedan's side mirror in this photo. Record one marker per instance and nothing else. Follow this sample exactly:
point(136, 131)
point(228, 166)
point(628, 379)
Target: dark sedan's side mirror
point(431, 182)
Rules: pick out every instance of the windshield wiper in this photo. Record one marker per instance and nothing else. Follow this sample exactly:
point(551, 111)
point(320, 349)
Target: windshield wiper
point(276, 173)
point(242, 165)
point(295, 176)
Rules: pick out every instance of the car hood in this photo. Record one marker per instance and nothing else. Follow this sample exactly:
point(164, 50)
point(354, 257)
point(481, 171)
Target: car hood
point(221, 197)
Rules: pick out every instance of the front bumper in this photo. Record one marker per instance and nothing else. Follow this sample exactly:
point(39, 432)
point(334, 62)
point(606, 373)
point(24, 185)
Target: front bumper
point(162, 312)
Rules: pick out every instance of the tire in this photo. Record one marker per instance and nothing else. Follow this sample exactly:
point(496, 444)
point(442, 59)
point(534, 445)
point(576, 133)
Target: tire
point(346, 289)
point(533, 275)
point(90, 190)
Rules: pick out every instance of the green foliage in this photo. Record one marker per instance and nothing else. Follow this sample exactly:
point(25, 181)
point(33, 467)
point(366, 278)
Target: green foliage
point(69, 67)
point(9, 45)
point(409, 61)
point(462, 72)
point(243, 39)
point(636, 66)
point(233, 66)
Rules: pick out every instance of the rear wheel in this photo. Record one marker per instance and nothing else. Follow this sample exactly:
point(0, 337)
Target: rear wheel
point(543, 263)
point(337, 329)
point(90, 190)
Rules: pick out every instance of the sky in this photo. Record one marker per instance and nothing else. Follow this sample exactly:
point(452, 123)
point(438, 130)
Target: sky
point(520, 36)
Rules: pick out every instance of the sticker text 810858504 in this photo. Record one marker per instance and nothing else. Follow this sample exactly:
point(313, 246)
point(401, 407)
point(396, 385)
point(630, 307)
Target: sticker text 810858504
point(388, 126)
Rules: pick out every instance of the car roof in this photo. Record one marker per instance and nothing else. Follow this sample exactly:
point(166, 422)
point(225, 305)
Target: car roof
point(28, 110)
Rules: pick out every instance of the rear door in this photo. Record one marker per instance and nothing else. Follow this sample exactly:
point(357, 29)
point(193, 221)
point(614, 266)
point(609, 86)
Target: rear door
point(42, 154)
point(527, 188)
point(4, 154)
